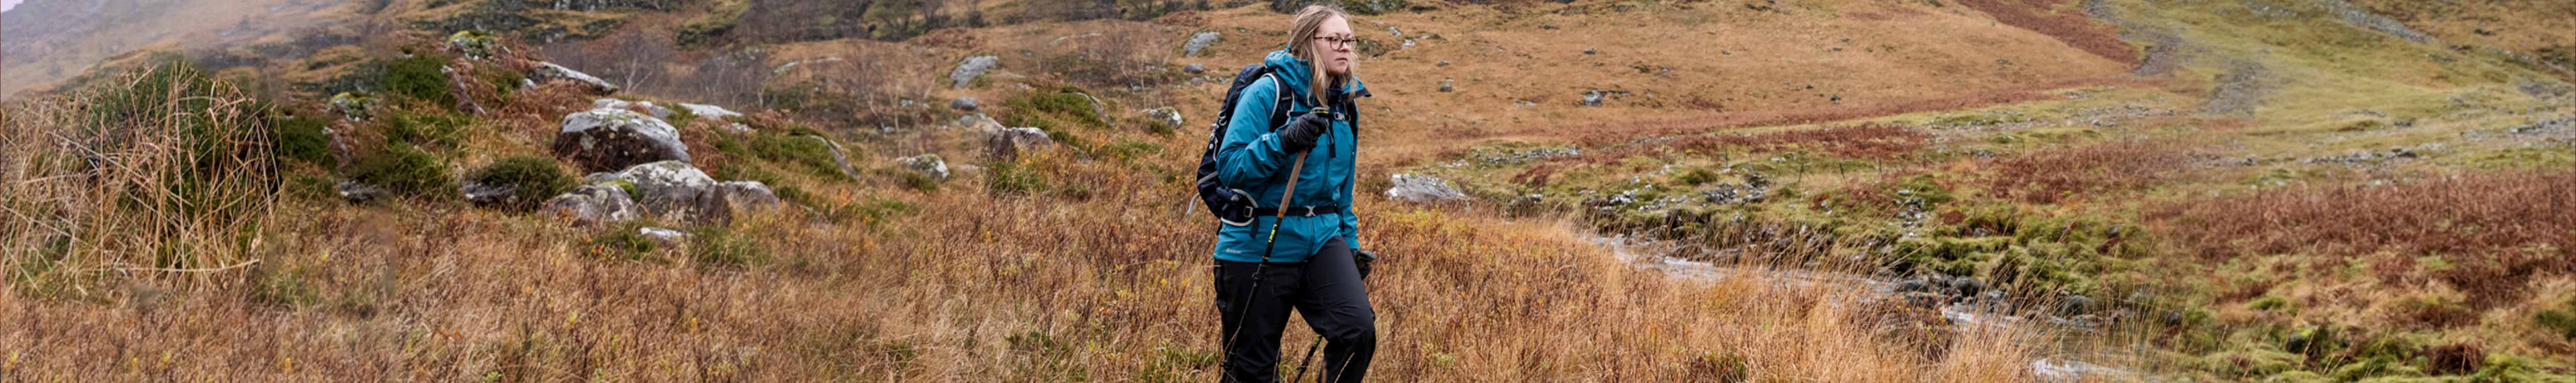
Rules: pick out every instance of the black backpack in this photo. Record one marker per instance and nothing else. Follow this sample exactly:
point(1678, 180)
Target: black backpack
point(1232, 206)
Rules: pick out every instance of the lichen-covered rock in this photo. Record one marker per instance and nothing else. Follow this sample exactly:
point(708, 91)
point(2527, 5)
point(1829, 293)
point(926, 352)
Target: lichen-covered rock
point(710, 111)
point(474, 44)
point(1166, 115)
point(926, 164)
point(547, 71)
point(615, 139)
point(354, 106)
point(595, 204)
point(1198, 42)
point(646, 107)
point(676, 190)
point(964, 103)
point(973, 67)
point(1423, 189)
point(1008, 143)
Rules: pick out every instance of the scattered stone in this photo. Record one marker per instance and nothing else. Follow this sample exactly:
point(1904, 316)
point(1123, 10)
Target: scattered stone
point(964, 103)
point(973, 67)
point(1166, 115)
point(474, 44)
point(358, 192)
point(547, 71)
point(736, 128)
point(1444, 85)
point(980, 123)
point(668, 237)
point(2074, 305)
point(354, 106)
point(1592, 98)
point(612, 139)
point(1423, 189)
point(596, 204)
point(1590, 51)
point(487, 194)
point(1194, 68)
point(1198, 42)
point(926, 164)
point(704, 111)
point(1444, 63)
point(1008, 143)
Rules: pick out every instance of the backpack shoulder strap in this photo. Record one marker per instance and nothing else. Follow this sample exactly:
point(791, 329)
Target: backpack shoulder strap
point(1278, 105)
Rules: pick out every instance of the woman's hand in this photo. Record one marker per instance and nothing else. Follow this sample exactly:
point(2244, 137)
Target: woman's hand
point(1300, 135)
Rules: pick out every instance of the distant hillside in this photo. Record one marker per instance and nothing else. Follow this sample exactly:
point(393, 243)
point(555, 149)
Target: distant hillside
point(47, 41)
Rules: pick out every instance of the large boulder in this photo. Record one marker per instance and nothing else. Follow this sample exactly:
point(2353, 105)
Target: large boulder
point(1423, 189)
point(1008, 143)
point(596, 204)
point(973, 67)
point(676, 190)
point(609, 139)
point(645, 107)
point(547, 71)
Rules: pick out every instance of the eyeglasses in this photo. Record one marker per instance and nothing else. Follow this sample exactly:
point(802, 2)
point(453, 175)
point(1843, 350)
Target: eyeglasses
point(1338, 42)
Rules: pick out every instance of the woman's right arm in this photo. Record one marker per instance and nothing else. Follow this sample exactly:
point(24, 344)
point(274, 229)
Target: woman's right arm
point(1251, 152)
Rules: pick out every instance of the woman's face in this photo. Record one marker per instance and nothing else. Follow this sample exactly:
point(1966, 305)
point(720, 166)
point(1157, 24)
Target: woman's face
point(1332, 46)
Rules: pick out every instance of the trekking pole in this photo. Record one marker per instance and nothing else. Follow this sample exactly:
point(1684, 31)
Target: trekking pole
point(1308, 359)
point(1272, 244)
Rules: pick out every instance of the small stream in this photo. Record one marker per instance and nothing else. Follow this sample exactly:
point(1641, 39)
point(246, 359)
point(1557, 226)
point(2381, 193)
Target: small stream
point(2054, 365)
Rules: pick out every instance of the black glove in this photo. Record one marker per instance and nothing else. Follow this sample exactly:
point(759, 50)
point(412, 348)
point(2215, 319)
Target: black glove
point(1300, 135)
point(1365, 258)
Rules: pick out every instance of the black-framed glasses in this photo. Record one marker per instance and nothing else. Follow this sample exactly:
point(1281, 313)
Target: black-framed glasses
point(1338, 42)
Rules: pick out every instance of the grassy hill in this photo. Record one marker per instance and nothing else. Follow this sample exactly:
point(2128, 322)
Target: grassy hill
point(2170, 190)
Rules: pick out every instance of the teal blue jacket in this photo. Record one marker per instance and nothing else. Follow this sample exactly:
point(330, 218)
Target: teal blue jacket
point(1250, 159)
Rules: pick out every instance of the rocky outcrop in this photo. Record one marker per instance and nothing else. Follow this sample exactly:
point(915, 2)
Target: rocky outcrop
point(927, 164)
point(645, 107)
point(676, 190)
point(611, 139)
point(1423, 189)
point(973, 67)
point(547, 71)
point(1008, 143)
point(596, 204)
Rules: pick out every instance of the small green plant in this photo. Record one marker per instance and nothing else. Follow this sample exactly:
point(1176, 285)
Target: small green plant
point(724, 247)
point(405, 170)
point(2561, 320)
point(428, 130)
point(300, 139)
point(531, 180)
point(1012, 178)
point(622, 244)
point(809, 153)
point(421, 78)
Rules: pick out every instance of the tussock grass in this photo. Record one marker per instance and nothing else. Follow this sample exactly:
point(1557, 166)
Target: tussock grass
point(158, 169)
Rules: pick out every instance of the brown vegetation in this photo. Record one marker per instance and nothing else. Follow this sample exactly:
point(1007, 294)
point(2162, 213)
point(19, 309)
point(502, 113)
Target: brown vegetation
point(2063, 20)
point(2494, 232)
point(2060, 175)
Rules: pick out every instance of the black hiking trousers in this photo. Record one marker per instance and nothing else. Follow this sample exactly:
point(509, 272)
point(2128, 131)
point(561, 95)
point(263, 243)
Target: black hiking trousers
point(1326, 289)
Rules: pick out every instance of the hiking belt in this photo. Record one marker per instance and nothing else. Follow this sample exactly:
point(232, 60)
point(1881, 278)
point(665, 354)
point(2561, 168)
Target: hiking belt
point(1306, 211)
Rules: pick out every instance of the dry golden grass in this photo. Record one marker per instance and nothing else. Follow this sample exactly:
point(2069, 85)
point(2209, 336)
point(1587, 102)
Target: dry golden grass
point(1098, 275)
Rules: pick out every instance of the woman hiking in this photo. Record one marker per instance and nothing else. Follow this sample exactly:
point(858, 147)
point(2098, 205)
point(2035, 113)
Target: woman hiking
point(1301, 250)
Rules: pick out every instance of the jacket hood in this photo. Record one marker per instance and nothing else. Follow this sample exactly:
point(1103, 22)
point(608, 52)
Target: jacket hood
point(1295, 73)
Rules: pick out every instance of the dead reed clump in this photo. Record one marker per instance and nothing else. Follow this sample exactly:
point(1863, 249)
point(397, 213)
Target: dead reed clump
point(153, 173)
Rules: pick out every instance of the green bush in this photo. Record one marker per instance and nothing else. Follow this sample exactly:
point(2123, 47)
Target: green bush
point(430, 130)
point(532, 180)
point(300, 139)
point(1011, 178)
point(422, 78)
point(808, 153)
point(1071, 104)
point(404, 170)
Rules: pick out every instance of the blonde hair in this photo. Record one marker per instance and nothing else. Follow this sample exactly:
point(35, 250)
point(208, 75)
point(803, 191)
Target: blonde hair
point(1301, 43)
